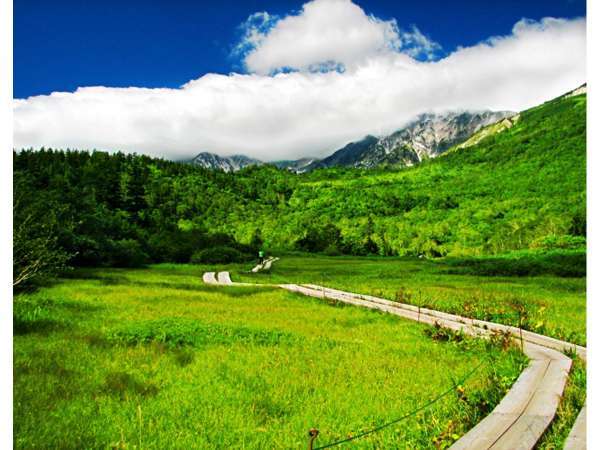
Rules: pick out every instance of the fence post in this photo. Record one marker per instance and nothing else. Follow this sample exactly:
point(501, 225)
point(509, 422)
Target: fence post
point(521, 329)
point(312, 435)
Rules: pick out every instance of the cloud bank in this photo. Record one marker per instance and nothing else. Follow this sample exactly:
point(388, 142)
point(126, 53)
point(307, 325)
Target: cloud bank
point(377, 85)
point(325, 34)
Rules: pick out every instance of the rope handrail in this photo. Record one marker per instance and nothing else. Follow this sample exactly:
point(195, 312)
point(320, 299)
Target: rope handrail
point(403, 417)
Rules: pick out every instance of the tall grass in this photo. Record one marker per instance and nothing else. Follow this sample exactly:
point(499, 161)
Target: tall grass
point(481, 288)
point(152, 358)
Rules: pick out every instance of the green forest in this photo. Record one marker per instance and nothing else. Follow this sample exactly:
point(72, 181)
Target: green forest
point(521, 190)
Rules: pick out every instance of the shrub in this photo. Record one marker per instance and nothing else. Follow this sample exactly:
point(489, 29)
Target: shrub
point(127, 253)
point(562, 263)
point(36, 252)
point(332, 250)
point(566, 241)
point(217, 255)
point(318, 238)
point(177, 245)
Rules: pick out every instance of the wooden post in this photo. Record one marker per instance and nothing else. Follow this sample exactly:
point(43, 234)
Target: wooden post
point(521, 329)
point(312, 435)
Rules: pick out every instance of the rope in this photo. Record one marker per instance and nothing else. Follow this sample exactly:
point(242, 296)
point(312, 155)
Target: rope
point(405, 416)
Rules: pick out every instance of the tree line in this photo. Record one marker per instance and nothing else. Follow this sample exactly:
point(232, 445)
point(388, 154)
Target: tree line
point(523, 188)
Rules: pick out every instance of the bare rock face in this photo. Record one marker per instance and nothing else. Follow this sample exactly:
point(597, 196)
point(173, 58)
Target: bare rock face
point(237, 162)
point(295, 165)
point(225, 163)
point(428, 136)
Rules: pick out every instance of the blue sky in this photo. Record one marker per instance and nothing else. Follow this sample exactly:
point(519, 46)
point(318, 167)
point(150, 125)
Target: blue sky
point(277, 80)
point(61, 45)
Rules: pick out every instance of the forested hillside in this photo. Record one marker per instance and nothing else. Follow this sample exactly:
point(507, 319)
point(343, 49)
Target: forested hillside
point(521, 188)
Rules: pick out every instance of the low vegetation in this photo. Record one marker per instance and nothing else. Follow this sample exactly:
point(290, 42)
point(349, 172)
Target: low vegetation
point(152, 358)
point(491, 290)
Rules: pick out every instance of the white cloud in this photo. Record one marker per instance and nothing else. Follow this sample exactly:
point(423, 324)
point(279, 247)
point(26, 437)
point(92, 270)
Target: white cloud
point(305, 113)
point(326, 33)
point(416, 44)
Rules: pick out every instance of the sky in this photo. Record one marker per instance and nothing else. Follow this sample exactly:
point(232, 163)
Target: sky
point(277, 79)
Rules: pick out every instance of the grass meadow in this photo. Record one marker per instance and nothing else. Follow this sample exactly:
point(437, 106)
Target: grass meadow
point(545, 293)
point(551, 302)
point(152, 358)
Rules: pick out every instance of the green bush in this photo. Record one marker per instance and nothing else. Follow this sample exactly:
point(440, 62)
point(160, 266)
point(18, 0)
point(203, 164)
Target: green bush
point(332, 250)
point(566, 241)
point(176, 245)
point(562, 263)
point(127, 253)
point(218, 255)
point(319, 237)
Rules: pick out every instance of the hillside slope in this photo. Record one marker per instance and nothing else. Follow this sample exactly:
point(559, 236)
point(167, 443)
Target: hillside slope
point(522, 187)
point(519, 188)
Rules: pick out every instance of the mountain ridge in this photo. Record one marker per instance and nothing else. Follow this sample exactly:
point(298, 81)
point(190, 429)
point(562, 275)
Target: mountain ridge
point(427, 136)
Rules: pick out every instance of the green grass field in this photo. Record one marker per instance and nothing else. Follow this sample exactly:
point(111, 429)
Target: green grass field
point(548, 303)
point(152, 358)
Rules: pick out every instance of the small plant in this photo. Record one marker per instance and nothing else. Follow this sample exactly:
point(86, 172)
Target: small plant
point(440, 333)
point(32, 315)
point(447, 437)
point(571, 352)
point(403, 295)
point(502, 339)
point(124, 384)
point(184, 356)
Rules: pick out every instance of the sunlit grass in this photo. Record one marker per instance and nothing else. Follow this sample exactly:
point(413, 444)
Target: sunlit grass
point(554, 306)
point(153, 358)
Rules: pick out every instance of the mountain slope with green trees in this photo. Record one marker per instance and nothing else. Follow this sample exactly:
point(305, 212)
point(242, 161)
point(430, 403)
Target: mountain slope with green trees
point(521, 189)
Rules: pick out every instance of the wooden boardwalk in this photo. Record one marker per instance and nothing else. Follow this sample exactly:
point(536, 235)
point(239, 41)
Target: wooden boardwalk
point(518, 422)
point(576, 438)
point(265, 265)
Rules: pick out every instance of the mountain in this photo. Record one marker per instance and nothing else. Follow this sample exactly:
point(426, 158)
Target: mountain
point(297, 165)
point(501, 125)
point(225, 163)
point(237, 162)
point(350, 155)
point(427, 136)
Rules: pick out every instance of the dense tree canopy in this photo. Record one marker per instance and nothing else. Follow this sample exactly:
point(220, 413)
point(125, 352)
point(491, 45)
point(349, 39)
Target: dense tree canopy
point(521, 188)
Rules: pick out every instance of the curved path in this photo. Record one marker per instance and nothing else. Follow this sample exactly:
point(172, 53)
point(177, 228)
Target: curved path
point(265, 265)
point(528, 408)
